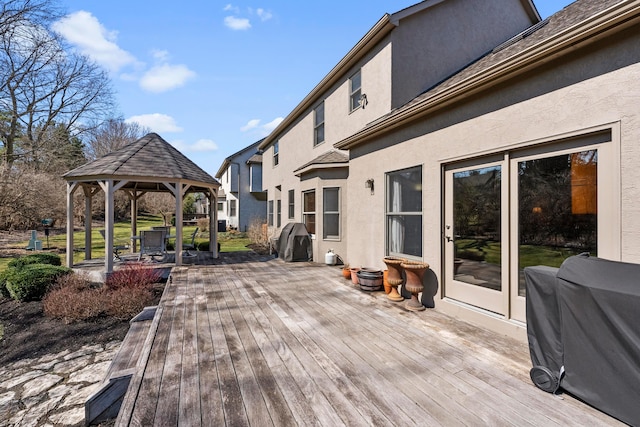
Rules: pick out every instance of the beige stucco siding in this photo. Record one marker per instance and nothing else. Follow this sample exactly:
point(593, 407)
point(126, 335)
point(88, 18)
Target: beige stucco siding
point(574, 97)
point(432, 45)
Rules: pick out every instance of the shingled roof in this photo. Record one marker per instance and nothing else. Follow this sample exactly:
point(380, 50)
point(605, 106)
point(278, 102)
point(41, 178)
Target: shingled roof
point(149, 159)
point(332, 158)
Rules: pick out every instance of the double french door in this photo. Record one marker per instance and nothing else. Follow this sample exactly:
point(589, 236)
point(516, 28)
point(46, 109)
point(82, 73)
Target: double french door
point(524, 208)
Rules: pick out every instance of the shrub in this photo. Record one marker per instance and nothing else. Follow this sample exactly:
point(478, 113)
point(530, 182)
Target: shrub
point(133, 275)
point(73, 298)
point(124, 303)
point(32, 281)
point(258, 234)
point(4, 292)
point(39, 258)
point(203, 224)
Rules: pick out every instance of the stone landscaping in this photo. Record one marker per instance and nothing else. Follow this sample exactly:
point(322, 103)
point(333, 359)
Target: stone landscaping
point(51, 390)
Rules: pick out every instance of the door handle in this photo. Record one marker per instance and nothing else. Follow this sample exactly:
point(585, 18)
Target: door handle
point(449, 239)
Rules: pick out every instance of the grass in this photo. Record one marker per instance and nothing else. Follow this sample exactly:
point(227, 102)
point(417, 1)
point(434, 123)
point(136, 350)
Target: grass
point(229, 242)
point(529, 254)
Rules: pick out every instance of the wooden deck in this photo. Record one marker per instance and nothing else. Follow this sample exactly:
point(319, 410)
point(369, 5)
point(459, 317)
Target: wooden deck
point(261, 342)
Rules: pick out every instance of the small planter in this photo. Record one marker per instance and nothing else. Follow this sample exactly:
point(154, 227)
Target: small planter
point(354, 274)
point(370, 279)
point(346, 272)
point(385, 282)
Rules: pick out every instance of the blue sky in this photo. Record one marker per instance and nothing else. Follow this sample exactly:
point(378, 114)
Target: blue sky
point(213, 77)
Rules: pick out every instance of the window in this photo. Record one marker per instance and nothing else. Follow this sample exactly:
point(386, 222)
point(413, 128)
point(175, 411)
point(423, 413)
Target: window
point(220, 206)
point(355, 86)
point(331, 213)
point(309, 210)
point(292, 211)
point(318, 124)
point(270, 213)
point(404, 212)
point(278, 213)
point(276, 150)
point(232, 208)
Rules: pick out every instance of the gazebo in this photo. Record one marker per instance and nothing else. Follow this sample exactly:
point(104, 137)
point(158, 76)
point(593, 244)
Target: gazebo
point(149, 164)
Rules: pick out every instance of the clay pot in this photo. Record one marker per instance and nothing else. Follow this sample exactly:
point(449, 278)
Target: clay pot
point(414, 272)
point(385, 283)
point(394, 277)
point(346, 272)
point(354, 274)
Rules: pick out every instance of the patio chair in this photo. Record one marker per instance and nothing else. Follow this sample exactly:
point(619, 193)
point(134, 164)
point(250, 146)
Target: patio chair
point(190, 246)
point(153, 244)
point(117, 247)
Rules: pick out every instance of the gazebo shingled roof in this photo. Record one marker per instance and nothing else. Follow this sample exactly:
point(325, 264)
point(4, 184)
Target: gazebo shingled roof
point(149, 164)
point(150, 158)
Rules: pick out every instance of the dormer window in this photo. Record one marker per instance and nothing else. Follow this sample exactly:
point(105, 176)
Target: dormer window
point(355, 89)
point(318, 124)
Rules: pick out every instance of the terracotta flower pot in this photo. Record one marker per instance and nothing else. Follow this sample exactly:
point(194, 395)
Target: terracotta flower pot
point(346, 273)
point(387, 286)
point(414, 272)
point(354, 274)
point(394, 278)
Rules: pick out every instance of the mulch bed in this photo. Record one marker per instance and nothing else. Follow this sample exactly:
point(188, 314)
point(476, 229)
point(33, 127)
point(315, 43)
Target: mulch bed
point(28, 333)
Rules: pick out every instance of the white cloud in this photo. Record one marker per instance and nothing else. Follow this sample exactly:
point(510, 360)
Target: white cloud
point(272, 124)
point(237, 23)
point(263, 14)
point(252, 124)
point(204, 145)
point(264, 130)
point(231, 8)
point(160, 55)
point(83, 30)
point(157, 122)
point(164, 77)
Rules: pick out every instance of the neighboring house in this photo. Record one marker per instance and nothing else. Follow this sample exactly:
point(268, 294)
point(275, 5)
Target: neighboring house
point(526, 156)
point(240, 176)
point(404, 54)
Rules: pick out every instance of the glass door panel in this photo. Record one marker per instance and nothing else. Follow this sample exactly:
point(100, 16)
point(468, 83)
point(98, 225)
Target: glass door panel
point(473, 236)
point(557, 209)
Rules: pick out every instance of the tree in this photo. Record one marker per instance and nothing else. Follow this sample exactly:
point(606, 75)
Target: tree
point(111, 135)
point(43, 83)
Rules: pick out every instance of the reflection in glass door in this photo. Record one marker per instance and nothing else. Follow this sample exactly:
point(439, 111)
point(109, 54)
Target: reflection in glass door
point(473, 236)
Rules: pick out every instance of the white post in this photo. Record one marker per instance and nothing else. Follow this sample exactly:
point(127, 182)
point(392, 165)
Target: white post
point(213, 222)
point(179, 195)
point(108, 226)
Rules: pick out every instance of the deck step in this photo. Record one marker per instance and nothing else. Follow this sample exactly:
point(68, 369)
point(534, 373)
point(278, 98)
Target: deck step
point(105, 402)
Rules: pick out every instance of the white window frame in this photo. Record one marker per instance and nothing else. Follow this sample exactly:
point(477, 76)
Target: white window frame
point(326, 212)
point(389, 214)
point(306, 214)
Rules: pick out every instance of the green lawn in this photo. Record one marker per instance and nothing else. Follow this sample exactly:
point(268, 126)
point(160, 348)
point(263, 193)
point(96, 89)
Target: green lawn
point(229, 242)
point(530, 255)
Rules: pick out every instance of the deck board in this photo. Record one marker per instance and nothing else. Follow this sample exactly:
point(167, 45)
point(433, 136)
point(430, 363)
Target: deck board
point(255, 341)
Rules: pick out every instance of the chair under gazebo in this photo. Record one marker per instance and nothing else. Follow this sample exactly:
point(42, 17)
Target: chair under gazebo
point(149, 164)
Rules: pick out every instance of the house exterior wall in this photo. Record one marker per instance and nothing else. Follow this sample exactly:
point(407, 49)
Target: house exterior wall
point(395, 70)
point(592, 89)
point(430, 46)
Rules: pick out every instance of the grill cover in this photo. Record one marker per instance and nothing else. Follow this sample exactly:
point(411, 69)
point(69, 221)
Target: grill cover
point(594, 332)
point(294, 243)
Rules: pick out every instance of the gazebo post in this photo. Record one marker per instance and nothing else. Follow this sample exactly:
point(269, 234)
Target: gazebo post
point(88, 198)
point(71, 188)
point(213, 222)
point(109, 189)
